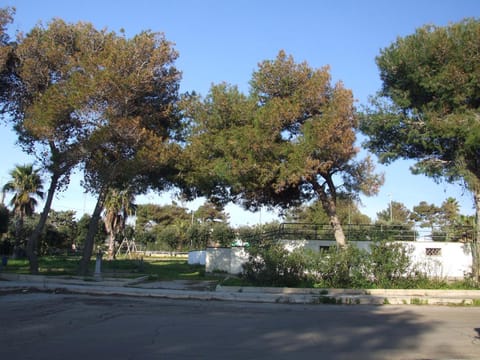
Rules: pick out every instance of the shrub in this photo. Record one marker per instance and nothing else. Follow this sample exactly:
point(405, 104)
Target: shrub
point(390, 263)
point(342, 267)
point(387, 265)
point(273, 265)
point(222, 234)
point(198, 236)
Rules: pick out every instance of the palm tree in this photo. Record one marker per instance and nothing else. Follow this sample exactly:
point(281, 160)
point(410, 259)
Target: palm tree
point(26, 185)
point(118, 206)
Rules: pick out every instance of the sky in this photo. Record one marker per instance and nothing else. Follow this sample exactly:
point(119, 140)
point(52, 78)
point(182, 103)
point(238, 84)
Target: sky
point(223, 41)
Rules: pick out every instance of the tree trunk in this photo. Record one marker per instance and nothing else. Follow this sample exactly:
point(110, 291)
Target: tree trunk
point(330, 207)
point(338, 231)
point(17, 251)
point(32, 244)
point(475, 245)
point(92, 230)
point(111, 246)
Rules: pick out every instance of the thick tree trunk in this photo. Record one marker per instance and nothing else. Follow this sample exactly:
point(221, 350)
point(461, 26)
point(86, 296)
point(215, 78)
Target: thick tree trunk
point(92, 229)
point(338, 231)
point(111, 246)
point(32, 244)
point(330, 207)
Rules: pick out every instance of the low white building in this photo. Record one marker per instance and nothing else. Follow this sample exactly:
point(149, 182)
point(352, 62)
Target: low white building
point(451, 260)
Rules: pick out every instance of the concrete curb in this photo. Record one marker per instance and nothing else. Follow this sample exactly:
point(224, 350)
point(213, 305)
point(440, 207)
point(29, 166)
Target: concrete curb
point(133, 287)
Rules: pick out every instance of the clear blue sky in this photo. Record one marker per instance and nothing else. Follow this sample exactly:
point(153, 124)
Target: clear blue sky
point(224, 41)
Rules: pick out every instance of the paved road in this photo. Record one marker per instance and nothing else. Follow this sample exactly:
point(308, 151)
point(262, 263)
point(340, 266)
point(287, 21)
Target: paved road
point(62, 326)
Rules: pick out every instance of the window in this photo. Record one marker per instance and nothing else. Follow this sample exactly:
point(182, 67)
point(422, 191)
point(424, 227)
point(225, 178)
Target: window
point(433, 251)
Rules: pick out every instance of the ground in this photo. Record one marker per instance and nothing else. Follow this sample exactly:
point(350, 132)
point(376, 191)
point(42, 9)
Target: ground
point(61, 326)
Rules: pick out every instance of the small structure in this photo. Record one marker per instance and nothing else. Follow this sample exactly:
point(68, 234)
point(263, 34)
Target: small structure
point(127, 247)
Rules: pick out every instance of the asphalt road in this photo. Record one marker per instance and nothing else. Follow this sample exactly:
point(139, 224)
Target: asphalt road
point(62, 326)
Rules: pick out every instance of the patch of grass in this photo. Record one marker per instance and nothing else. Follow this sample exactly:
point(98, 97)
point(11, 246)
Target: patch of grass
point(417, 301)
point(234, 281)
point(156, 269)
point(47, 265)
point(466, 303)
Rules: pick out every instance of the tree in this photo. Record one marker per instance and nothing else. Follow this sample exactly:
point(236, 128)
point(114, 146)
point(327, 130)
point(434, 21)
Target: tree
point(150, 215)
point(118, 206)
point(83, 226)
point(45, 97)
point(396, 214)
point(427, 214)
point(61, 231)
point(7, 60)
point(428, 108)
point(450, 212)
point(133, 141)
point(347, 210)
point(210, 212)
point(290, 140)
point(26, 185)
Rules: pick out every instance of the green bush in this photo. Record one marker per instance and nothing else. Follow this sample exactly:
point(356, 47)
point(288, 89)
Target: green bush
point(342, 267)
point(390, 263)
point(274, 266)
point(198, 236)
point(386, 265)
point(222, 234)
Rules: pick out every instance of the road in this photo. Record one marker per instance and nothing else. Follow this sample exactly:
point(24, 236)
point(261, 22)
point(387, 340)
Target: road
point(65, 326)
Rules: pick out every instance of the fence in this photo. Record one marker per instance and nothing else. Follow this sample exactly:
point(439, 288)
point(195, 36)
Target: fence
point(353, 232)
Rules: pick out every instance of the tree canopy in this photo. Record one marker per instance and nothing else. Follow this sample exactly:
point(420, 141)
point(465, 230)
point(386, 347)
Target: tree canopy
point(291, 139)
point(81, 96)
point(428, 107)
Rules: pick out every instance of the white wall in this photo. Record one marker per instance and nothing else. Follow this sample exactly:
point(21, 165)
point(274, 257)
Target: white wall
point(229, 260)
point(197, 257)
point(453, 261)
point(449, 260)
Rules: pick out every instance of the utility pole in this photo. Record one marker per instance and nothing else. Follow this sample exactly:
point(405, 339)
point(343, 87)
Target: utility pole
point(391, 208)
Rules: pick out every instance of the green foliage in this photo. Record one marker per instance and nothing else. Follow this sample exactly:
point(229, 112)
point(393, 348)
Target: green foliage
point(82, 227)
point(198, 236)
point(164, 269)
point(396, 214)
point(341, 268)
point(26, 185)
point(273, 265)
point(209, 212)
point(286, 142)
point(222, 234)
point(428, 107)
point(150, 215)
point(390, 262)
point(347, 210)
point(387, 265)
point(169, 238)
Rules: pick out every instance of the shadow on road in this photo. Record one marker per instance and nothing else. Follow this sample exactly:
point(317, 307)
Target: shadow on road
point(75, 327)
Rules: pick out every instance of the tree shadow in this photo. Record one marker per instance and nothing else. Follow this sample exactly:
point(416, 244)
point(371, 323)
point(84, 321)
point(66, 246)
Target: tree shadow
point(140, 328)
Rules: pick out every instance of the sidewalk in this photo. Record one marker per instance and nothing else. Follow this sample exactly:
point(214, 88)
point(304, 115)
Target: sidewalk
point(206, 290)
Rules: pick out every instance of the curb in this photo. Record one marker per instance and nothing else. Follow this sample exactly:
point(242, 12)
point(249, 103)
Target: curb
point(130, 287)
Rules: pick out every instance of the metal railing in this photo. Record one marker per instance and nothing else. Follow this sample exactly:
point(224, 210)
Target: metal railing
point(376, 232)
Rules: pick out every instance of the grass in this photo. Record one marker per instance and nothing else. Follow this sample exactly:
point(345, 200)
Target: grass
point(154, 268)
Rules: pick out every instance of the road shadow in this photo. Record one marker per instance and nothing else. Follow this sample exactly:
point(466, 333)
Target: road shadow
point(75, 327)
